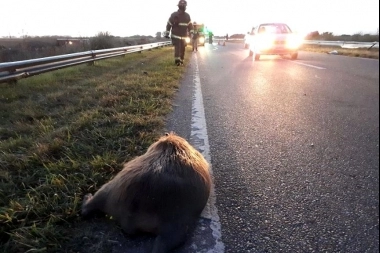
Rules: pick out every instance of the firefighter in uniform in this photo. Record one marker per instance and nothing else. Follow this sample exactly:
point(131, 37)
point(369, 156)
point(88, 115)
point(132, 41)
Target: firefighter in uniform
point(180, 25)
point(194, 39)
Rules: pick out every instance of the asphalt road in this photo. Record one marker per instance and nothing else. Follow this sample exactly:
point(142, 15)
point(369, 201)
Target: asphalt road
point(294, 148)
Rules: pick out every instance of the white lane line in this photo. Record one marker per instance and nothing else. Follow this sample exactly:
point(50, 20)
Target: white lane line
point(199, 139)
point(308, 65)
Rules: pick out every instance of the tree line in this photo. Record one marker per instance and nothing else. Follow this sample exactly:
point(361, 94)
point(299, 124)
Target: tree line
point(329, 36)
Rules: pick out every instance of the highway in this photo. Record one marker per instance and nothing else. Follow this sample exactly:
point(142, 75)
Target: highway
point(293, 147)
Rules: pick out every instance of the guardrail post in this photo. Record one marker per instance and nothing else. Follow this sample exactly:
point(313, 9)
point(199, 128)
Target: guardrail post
point(374, 43)
point(13, 80)
point(93, 55)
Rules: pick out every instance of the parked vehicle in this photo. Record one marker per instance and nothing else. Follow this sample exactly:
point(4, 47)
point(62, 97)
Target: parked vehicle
point(273, 39)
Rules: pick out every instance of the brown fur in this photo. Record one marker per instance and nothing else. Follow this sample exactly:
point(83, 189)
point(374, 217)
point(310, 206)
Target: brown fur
point(162, 192)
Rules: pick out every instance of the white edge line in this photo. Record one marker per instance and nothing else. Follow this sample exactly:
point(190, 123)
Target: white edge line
point(308, 65)
point(199, 138)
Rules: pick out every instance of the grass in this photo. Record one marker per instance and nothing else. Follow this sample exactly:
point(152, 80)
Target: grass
point(65, 133)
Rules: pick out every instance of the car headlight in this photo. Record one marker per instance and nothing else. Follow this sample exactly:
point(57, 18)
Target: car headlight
point(294, 41)
point(265, 41)
point(187, 40)
point(201, 40)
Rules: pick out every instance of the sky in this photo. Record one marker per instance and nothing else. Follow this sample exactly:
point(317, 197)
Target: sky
point(85, 18)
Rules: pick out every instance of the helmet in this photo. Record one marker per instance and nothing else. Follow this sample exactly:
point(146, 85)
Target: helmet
point(182, 3)
point(194, 23)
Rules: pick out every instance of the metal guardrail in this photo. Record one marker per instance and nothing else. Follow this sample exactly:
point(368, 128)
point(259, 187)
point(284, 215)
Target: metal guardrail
point(12, 71)
point(343, 44)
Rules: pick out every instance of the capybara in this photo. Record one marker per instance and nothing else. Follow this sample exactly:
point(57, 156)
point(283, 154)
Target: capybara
point(162, 192)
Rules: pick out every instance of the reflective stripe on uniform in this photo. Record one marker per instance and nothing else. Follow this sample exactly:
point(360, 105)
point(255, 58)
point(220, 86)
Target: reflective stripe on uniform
point(183, 24)
point(169, 22)
point(178, 37)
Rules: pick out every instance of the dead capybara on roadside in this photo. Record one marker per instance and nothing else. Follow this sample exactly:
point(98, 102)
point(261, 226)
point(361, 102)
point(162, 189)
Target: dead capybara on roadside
point(162, 192)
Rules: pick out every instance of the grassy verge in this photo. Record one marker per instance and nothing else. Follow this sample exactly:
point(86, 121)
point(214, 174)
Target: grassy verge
point(65, 133)
point(354, 52)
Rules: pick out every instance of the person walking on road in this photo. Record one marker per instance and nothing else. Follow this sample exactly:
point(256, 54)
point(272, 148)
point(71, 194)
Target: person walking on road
point(180, 26)
point(210, 35)
point(195, 37)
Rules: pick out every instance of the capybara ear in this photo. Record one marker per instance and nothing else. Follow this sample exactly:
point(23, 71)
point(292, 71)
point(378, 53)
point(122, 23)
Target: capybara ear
point(171, 133)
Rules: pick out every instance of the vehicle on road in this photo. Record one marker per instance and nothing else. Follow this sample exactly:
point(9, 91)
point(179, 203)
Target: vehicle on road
point(273, 39)
point(200, 28)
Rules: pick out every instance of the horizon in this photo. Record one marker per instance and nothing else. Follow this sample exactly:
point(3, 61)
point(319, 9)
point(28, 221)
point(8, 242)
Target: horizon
point(153, 36)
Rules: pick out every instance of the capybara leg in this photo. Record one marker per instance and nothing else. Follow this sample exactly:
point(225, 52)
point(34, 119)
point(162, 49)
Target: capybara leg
point(172, 236)
point(128, 226)
point(86, 205)
point(92, 203)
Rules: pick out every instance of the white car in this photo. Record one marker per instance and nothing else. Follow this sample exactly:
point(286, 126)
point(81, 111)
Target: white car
point(273, 39)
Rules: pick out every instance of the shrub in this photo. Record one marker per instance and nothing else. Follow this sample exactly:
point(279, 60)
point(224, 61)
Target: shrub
point(102, 40)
